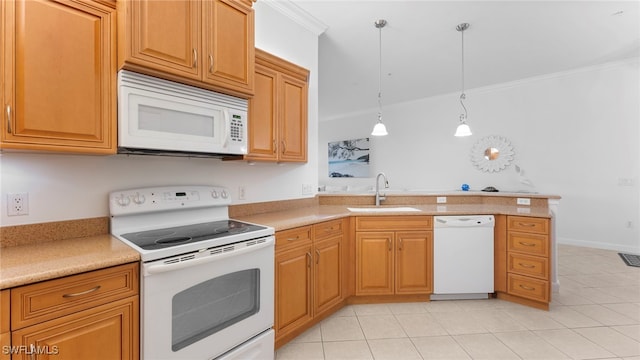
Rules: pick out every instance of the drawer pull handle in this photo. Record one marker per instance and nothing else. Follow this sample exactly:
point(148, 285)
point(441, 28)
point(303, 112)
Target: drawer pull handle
point(318, 256)
point(309, 259)
point(389, 241)
point(400, 243)
point(526, 224)
point(294, 238)
point(329, 229)
point(66, 296)
point(528, 266)
point(527, 244)
point(210, 64)
point(528, 288)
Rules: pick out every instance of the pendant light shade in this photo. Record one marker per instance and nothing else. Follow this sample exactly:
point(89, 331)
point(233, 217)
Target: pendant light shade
point(463, 129)
point(379, 129)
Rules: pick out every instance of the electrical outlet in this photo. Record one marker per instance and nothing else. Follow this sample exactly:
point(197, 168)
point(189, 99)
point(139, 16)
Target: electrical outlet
point(523, 201)
point(307, 189)
point(241, 192)
point(625, 182)
point(18, 204)
point(441, 199)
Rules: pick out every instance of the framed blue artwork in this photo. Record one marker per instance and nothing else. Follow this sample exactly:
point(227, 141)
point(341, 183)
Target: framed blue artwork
point(349, 158)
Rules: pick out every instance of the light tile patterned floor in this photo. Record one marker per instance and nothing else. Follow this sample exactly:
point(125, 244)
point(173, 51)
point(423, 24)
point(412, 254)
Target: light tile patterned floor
point(596, 315)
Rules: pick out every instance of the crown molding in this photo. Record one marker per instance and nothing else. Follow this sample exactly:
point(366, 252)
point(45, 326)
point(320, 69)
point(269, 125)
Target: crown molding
point(298, 15)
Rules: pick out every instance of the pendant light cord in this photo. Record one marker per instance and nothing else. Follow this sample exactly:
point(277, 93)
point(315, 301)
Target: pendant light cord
point(380, 26)
point(463, 117)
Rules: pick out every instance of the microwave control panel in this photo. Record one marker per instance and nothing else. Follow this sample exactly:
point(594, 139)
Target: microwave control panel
point(238, 129)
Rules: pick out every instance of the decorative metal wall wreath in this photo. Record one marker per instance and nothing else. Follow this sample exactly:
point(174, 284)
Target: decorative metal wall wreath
point(492, 153)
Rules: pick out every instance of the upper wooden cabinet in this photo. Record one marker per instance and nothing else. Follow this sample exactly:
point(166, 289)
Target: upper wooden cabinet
point(59, 65)
point(278, 111)
point(209, 43)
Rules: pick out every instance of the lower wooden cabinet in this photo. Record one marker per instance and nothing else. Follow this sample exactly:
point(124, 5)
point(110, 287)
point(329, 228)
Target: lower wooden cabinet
point(107, 331)
point(309, 271)
point(394, 262)
point(293, 289)
point(327, 275)
point(5, 327)
point(527, 260)
point(85, 316)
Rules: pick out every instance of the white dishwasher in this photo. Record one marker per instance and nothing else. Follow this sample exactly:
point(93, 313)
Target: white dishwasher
point(462, 257)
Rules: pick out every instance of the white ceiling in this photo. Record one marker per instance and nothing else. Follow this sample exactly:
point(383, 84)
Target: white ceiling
point(421, 49)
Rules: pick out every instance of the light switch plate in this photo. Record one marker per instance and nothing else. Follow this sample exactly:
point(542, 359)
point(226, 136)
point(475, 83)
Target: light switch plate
point(523, 201)
point(441, 200)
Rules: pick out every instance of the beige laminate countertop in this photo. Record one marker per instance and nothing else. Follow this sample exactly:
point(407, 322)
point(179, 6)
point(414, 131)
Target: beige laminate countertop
point(287, 219)
point(30, 263)
point(25, 264)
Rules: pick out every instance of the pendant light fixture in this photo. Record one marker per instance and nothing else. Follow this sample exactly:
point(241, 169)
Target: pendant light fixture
point(463, 129)
point(379, 129)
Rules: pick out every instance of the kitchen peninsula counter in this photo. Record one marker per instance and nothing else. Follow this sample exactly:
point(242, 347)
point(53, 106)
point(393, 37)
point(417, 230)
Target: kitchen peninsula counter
point(326, 207)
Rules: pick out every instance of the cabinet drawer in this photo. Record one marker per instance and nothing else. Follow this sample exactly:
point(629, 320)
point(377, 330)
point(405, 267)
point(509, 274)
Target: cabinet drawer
point(528, 224)
point(530, 288)
point(392, 223)
point(293, 237)
point(35, 303)
point(328, 229)
point(532, 244)
point(528, 265)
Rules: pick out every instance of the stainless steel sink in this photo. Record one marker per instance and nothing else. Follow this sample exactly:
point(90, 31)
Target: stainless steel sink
point(382, 209)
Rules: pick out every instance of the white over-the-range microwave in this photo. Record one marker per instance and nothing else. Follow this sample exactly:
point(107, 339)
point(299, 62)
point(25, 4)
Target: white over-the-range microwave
point(161, 117)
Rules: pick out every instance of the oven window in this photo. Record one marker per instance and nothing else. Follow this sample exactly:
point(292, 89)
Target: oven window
point(213, 305)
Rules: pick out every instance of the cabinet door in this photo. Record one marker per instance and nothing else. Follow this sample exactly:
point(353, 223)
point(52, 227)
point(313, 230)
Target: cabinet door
point(165, 35)
point(374, 263)
point(414, 267)
point(328, 273)
point(293, 289)
point(5, 335)
point(107, 332)
point(60, 91)
point(229, 44)
point(293, 119)
point(262, 112)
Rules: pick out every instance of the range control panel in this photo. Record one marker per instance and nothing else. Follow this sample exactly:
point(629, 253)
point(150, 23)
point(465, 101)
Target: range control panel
point(153, 199)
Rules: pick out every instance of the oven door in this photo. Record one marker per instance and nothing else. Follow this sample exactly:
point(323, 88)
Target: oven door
point(199, 306)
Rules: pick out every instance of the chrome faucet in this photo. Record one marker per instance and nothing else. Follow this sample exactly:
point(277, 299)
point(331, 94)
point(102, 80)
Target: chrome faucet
point(386, 186)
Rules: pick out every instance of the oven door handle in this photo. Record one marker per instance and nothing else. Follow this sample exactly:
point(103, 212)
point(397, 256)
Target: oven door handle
point(161, 267)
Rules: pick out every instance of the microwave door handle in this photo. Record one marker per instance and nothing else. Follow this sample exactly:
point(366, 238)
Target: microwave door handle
point(227, 128)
